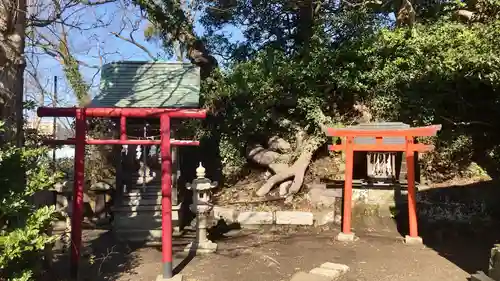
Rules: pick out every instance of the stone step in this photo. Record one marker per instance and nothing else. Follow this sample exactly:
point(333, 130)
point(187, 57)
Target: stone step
point(140, 202)
point(133, 214)
point(138, 180)
point(151, 237)
point(138, 186)
point(141, 196)
point(141, 208)
point(146, 215)
point(141, 235)
point(142, 222)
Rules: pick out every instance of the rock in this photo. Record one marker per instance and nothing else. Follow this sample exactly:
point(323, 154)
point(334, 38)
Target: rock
point(303, 276)
point(283, 189)
point(335, 266)
point(61, 201)
point(66, 186)
point(227, 214)
point(338, 219)
point(324, 197)
point(255, 218)
point(279, 144)
point(294, 218)
point(101, 186)
point(331, 274)
point(324, 217)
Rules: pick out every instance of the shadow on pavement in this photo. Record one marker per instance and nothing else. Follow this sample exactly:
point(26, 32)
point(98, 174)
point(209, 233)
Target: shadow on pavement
point(461, 223)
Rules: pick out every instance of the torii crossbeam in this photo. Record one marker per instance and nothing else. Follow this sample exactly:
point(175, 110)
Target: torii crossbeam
point(165, 143)
point(348, 145)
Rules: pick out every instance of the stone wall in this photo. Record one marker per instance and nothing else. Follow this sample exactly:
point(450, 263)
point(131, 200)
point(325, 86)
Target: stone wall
point(457, 204)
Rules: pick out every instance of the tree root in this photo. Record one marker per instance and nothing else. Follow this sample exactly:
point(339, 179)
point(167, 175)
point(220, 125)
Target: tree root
point(290, 178)
point(296, 171)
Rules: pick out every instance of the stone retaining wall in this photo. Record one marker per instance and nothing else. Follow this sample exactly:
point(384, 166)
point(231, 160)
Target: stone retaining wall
point(249, 218)
point(456, 204)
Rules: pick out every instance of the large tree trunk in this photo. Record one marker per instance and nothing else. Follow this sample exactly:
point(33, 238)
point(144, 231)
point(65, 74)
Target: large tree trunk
point(200, 56)
point(305, 23)
point(12, 64)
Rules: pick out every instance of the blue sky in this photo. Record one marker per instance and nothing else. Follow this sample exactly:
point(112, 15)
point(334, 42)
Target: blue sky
point(87, 45)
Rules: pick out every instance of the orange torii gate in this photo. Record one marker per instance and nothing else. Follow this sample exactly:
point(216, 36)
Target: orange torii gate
point(348, 145)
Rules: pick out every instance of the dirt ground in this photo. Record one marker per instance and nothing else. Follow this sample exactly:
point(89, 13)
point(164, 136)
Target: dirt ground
point(275, 254)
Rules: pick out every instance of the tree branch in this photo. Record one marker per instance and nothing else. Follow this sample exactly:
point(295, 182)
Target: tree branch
point(466, 123)
point(137, 44)
point(60, 10)
point(95, 3)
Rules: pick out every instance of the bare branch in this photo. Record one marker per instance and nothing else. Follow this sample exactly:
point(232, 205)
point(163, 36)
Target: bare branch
point(95, 3)
point(57, 15)
point(137, 44)
point(466, 123)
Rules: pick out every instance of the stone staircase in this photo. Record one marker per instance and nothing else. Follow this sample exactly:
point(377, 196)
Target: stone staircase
point(137, 213)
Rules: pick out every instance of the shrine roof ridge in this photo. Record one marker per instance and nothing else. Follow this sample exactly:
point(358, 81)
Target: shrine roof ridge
point(425, 131)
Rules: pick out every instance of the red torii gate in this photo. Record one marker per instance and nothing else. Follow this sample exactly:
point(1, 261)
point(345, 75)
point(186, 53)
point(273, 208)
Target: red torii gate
point(409, 147)
point(165, 143)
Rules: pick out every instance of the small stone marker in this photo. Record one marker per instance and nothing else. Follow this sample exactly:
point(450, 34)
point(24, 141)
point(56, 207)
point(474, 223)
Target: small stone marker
point(303, 276)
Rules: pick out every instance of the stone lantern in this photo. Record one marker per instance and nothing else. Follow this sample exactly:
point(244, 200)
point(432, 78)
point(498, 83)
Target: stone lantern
point(202, 207)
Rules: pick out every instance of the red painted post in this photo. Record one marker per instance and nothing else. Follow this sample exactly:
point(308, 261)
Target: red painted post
point(166, 200)
point(412, 204)
point(77, 216)
point(349, 159)
point(123, 127)
point(80, 141)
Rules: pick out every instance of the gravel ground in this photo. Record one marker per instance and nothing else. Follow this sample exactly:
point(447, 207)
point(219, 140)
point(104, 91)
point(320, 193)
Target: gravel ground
point(276, 254)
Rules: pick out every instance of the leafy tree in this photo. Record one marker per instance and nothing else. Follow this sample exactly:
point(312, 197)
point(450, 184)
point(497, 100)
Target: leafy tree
point(307, 64)
point(446, 72)
point(23, 226)
point(275, 95)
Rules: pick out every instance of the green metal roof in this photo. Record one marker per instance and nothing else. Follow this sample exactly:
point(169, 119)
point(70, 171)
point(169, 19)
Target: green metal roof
point(148, 84)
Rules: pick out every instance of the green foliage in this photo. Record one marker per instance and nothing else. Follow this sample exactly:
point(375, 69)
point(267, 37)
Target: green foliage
point(71, 68)
point(23, 171)
point(271, 95)
point(440, 70)
point(444, 72)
